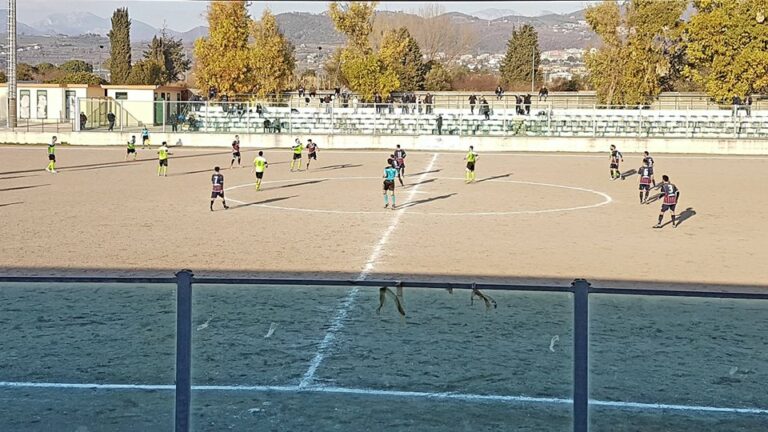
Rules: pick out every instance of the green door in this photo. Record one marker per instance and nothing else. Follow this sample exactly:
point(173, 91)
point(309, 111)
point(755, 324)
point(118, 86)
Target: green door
point(159, 111)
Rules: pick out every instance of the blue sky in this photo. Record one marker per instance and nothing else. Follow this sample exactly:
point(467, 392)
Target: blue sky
point(183, 15)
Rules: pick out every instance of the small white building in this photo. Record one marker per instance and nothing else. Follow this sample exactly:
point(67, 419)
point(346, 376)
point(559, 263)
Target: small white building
point(137, 104)
point(55, 102)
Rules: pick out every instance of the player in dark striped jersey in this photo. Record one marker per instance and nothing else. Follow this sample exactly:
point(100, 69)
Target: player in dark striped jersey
point(235, 152)
point(646, 174)
point(670, 195)
point(615, 157)
point(217, 181)
point(648, 160)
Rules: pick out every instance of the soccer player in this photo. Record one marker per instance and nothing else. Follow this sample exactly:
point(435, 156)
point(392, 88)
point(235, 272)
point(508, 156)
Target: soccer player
point(144, 137)
point(389, 185)
point(671, 194)
point(131, 148)
point(296, 155)
point(259, 165)
point(645, 182)
point(471, 158)
point(393, 162)
point(217, 180)
point(648, 160)
point(235, 152)
point(162, 157)
point(311, 152)
point(400, 159)
point(51, 168)
point(615, 157)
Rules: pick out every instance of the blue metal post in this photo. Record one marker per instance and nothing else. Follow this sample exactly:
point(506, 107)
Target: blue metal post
point(580, 355)
point(183, 349)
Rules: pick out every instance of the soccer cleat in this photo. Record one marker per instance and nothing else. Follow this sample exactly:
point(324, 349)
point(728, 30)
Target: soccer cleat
point(657, 226)
point(226, 207)
point(386, 205)
point(674, 225)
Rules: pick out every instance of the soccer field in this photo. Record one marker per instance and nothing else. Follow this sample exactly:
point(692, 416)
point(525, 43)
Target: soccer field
point(98, 357)
point(538, 218)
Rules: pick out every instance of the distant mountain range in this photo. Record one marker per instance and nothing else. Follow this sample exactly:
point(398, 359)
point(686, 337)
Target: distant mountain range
point(494, 26)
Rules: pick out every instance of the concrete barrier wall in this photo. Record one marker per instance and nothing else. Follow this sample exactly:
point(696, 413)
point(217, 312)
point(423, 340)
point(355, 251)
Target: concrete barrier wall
point(424, 142)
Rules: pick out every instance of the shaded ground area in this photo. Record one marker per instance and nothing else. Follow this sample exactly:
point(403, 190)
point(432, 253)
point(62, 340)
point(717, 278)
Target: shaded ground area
point(648, 350)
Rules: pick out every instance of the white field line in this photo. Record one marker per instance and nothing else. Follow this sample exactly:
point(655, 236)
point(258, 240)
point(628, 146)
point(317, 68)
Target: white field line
point(464, 397)
point(341, 313)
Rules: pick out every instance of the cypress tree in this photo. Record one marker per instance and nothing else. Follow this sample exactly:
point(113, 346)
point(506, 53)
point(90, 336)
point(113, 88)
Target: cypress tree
point(120, 42)
point(515, 68)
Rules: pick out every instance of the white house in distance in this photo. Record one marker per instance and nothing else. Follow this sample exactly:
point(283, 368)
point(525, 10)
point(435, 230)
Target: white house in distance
point(54, 102)
point(135, 105)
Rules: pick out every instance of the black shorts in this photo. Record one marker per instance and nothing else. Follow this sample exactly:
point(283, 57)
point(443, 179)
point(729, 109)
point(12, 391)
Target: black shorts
point(471, 166)
point(645, 187)
point(131, 151)
point(296, 156)
point(215, 194)
point(312, 156)
point(650, 170)
point(164, 162)
point(614, 166)
point(235, 155)
point(52, 157)
point(144, 139)
point(389, 185)
point(665, 207)
point(259, 175)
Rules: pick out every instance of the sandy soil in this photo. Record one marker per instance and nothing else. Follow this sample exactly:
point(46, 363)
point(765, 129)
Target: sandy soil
point(101, 215)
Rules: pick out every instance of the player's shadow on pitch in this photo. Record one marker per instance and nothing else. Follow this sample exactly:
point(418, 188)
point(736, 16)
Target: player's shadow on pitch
point(191, 172)
point(425, 172)
point(336, 167)
point(426, 200)
point(629, 173)
point(266, 201)
point(420, 183)
point(654, 198)
point(493, 178)
point(24, 187)
point(683, 216)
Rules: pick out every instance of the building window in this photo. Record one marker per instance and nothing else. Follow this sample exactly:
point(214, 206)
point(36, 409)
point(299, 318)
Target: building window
point(42, 104)
point(121, 95)
point(25, 101)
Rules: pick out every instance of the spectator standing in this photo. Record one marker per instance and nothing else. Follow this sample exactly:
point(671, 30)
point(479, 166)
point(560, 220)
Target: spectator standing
point(439, 124)
point(312, 92)
point(499, 92)
point(301, 91)
point(111, 120)
point(390, 106)
point(748, 102)
point(484, 108)
point(736, 104)
point(472, 102)
point(527, 102)
point(83, 120)
point(518, 104)
point(430, 101)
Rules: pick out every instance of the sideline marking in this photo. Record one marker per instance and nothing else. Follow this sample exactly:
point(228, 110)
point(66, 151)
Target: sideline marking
point(657, 155)
point(466, 397)
point(607, 199)
point(341, 313)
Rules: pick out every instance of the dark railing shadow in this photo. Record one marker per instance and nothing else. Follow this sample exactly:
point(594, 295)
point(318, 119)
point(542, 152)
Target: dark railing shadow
point(340, 166)
point(309, 182)
point(21, 176)
point(24, 187)
point(493, 178)
point(425, 200)
point(10, 204)
point(266, 201)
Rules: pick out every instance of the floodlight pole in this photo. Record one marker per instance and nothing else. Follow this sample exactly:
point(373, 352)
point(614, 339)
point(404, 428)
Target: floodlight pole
point(11, 64)
point(533, 67)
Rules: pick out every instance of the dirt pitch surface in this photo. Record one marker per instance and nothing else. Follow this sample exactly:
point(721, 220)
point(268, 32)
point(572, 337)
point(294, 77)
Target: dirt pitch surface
point(538, 218)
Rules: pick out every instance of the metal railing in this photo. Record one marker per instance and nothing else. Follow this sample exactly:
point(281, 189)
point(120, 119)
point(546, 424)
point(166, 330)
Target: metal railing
point(580, 290)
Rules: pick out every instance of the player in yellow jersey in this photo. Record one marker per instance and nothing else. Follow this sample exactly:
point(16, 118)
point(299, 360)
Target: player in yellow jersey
point(296, 155)
point(471, 158)
point(162, 157)
point(259, 165)
point(52, 156)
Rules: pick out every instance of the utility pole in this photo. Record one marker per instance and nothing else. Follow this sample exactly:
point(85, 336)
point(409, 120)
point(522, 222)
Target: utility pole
point(12, 63)
point(533, 67)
